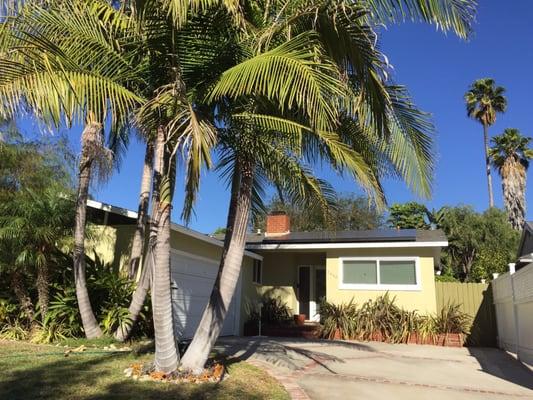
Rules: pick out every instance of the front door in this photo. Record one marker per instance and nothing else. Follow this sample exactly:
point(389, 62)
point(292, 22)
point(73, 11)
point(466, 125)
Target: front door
point(311, 290)
point(304, 290)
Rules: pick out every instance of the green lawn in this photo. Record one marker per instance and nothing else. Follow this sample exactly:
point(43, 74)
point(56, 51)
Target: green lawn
point(29, 371)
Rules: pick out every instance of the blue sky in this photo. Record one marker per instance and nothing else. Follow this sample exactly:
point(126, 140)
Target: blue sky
point(437, 69)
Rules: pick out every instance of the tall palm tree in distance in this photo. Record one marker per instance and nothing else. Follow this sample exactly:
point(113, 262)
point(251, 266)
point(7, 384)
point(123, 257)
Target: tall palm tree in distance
point(510, 156)
point(483, 101)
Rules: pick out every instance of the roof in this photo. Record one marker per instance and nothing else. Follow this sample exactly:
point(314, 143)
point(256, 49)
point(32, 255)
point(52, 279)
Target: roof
point(123, 216)
point(525, 249)
point(346, 239)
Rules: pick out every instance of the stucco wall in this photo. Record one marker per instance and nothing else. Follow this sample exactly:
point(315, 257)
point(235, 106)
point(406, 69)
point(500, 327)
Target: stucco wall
point(110, 243)
point(422, 300)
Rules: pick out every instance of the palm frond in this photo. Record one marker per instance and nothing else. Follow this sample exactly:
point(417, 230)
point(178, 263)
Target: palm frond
point(455, 15)
point(294, 74)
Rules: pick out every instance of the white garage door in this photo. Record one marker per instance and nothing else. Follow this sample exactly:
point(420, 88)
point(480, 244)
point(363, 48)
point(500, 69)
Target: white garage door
point(192, 282)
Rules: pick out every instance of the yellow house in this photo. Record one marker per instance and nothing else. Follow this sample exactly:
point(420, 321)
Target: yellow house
point(301, 268)
point(304, 267)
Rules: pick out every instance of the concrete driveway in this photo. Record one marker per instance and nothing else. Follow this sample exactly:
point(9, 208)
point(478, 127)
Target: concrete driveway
point(353, 370)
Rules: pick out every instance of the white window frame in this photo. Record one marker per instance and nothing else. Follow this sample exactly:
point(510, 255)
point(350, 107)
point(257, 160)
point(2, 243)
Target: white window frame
point(260, 264)
point(378, 285)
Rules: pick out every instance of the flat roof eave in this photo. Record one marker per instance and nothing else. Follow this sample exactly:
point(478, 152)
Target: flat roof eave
point(344, 245)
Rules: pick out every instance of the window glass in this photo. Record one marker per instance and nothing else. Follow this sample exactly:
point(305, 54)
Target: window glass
point(360, 272)
point(397, 272)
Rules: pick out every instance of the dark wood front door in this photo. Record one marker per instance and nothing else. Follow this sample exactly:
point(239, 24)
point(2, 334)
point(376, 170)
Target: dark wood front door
point(304, 295)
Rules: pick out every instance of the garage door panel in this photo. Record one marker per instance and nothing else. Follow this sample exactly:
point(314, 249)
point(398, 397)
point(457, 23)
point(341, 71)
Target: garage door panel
point(194, 267)
point(192, 287)
point(192, 282)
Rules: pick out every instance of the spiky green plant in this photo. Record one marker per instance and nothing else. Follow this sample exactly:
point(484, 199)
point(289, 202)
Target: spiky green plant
point(450, 319)
point(339, 320)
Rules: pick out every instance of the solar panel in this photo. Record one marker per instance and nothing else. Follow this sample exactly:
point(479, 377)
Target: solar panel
point(376, 235)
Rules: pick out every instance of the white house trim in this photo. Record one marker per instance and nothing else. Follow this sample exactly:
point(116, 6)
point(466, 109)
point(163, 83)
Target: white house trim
point(109, 208)
point(345, 245)
point(379, 286)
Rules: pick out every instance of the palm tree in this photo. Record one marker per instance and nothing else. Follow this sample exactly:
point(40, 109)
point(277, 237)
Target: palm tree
point(483, 101)
point(143, 284)
point(137, 244)
point(131, 52)
point(349, 131)
point(510, 155)
point(36, 224)
point(47, 69)
point(35, 215)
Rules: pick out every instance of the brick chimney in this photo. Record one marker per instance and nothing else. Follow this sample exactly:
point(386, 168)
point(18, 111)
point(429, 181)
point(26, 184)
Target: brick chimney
point(278, 223)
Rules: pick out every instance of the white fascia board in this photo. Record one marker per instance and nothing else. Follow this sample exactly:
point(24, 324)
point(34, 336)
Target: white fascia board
point(347, 245)
point(109, 208)
point(208, 239)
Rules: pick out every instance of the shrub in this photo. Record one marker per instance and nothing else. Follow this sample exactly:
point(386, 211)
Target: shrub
point(13, 323)
point(14, 331)
point(51, 332)
point(8, 312)
point(63, 311)
point(384, 318)
point(339, 321)
point(274, 311)
point(451, 319)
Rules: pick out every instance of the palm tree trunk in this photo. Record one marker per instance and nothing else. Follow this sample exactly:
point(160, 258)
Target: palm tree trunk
point(137, 245)
point(514, 186)
point(90, 325)
point(139, 295)
point(487, 164)
point(22, 295)
point(228, 274)
point(43, 289)
point(166, 354)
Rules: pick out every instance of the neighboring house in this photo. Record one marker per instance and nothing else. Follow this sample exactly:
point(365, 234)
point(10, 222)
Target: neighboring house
point(525, 249)
point(299, 267)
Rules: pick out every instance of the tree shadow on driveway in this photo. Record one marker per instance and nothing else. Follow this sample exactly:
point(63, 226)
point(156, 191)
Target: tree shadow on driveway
point(502, 365)
point(289, 353)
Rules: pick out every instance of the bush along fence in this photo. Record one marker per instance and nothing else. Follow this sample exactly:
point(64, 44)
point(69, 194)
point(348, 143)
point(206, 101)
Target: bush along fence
point(513, 298)
point(474, 300)
point(382, 320)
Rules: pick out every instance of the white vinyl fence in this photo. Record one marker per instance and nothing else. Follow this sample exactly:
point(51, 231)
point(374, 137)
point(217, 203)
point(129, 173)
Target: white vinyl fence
point(513, 300)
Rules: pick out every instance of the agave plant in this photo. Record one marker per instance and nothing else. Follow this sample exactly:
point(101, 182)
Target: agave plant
point(450, 319)
point(339, 321)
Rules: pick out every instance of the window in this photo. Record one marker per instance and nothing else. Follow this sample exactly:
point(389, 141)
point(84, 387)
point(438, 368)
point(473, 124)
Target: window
point(258, 272)
point(380, 273)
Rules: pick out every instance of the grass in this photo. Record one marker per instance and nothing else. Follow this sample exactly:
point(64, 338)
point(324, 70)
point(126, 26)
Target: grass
point(29, 371)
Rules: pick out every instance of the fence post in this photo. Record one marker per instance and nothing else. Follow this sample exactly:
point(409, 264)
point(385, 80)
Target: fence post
point(512, 271)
